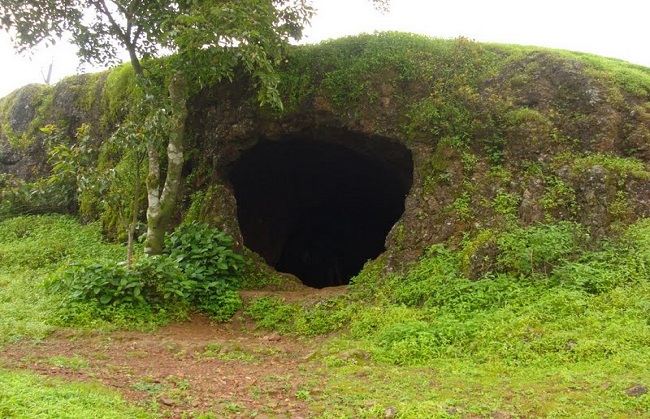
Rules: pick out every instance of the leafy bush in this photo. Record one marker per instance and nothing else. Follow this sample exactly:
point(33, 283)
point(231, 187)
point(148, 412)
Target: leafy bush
point(162, 279)
point(103, 283)
point(204, 253)
point(200, 269)
point(152, 280)
point(208, 260)
point(18, 197)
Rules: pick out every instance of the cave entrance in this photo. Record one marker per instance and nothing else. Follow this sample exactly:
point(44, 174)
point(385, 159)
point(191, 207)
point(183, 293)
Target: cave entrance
point(319, 209)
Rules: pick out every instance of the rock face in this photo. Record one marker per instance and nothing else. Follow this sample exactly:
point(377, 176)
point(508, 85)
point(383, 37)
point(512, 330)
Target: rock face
point(19, 155)
point(391, 143)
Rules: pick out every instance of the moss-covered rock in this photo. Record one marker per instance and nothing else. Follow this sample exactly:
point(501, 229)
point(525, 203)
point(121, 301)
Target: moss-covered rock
point(498, 135)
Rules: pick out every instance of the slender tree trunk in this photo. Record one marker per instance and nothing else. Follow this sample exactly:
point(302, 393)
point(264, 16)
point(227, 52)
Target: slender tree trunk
point(163, 203)
point(135, 207)
point(137, 67)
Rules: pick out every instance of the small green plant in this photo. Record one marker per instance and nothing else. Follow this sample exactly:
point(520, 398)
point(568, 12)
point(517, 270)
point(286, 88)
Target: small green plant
point(469, 161)
point(232, 408)
point(538, 248)
point(227, 353)
point(559, 195)
point(75, 363)
point(272, 313)
point(223, 306)
point(462, 207)
point(506, 203)
point(149, 386)
point(303, 394)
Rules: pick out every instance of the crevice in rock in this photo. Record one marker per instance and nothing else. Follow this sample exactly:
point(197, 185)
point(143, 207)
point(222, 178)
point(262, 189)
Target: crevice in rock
point(319, 206)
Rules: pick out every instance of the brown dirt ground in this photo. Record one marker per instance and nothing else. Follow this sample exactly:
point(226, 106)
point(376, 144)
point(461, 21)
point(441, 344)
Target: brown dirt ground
point(195, 366)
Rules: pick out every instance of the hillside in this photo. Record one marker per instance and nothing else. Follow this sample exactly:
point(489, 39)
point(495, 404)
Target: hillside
point(387, 144)
point(437, 228)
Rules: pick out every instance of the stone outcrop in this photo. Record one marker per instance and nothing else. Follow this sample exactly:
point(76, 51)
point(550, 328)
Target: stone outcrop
point(441, 139)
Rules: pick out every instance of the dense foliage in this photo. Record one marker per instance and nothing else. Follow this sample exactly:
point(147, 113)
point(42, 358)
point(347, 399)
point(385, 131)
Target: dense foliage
point(199, 270)
point(580, 315)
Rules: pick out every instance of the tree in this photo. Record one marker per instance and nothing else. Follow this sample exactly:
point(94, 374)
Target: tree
point(210, 41)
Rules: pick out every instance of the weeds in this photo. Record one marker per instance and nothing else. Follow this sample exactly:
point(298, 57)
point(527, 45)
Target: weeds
point(30, 396)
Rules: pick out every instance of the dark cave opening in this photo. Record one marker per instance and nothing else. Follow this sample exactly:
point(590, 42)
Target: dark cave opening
point(317, 208)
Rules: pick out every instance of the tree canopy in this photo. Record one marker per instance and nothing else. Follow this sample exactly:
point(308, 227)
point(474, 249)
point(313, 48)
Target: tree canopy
point(208, 40)
point(102, 29)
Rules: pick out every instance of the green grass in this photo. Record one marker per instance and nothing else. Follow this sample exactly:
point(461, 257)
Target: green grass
point(24, 311)
point(25, 395)
point(558, 328)
point(74, 363)
point(632, 78)
point(460, 387)
point(32, 248)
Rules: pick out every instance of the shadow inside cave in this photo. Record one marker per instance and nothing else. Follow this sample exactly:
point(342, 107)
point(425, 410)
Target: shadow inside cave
point(317, 209)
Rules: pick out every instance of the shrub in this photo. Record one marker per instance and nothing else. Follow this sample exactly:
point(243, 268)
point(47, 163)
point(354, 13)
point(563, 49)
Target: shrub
point(103, 283)
point(200, 269)
point(162, 279)
point(18, 197)
point(208, 260)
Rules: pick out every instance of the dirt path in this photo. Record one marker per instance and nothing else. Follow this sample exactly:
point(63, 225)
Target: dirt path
point(196, 366)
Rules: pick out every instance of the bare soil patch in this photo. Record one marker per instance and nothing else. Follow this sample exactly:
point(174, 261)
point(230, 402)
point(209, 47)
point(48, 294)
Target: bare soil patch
point(195, 366)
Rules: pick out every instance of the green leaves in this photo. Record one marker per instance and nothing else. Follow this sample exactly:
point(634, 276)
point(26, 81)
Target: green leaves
point(103, 283)
point(538, 249)
point(210, 265)
point(215, 39)
point(200, 269)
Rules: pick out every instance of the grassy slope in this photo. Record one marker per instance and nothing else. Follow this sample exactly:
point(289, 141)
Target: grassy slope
point(25, 395)
point(565, 341)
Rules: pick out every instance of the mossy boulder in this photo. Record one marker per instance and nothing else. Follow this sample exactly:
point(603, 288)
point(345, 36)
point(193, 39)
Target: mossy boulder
point(475, 137)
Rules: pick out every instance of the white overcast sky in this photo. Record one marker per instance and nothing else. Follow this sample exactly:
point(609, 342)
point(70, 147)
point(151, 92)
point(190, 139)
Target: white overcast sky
point(605, 27)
